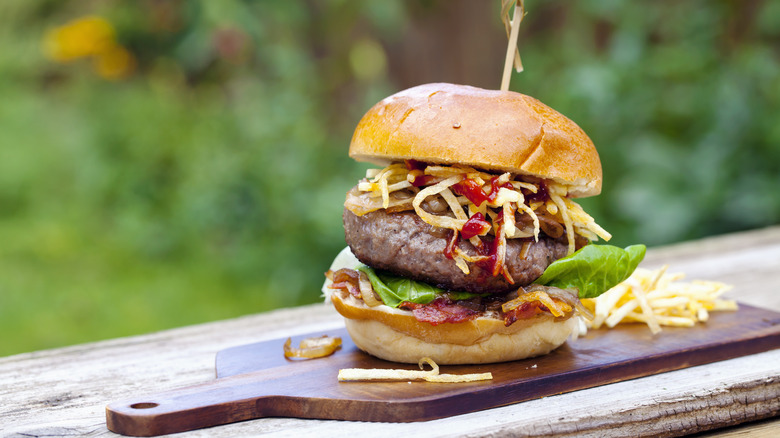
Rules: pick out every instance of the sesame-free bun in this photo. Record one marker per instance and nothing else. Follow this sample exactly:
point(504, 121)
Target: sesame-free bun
point(396, 335)
point(487, 129)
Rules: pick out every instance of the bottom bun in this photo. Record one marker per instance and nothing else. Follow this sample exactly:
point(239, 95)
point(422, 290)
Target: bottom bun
point(396, 335)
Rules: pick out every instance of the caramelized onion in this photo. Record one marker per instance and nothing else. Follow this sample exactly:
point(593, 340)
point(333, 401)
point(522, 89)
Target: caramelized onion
point(312, 348)
point(568, 296)
point(361, 203)
point(550, 226)
point(367, 291)
point(435, 205)
point(557, 308)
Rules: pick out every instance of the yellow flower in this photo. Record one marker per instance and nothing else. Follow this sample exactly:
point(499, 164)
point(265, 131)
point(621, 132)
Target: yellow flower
point(90, 37)
point(79, 38)
point(114, 63)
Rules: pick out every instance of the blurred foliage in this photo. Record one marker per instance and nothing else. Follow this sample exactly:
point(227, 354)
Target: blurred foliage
point(172, 162)
point(683, 102)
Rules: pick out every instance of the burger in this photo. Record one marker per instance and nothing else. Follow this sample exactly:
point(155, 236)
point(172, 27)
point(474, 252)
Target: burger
point(465, 245)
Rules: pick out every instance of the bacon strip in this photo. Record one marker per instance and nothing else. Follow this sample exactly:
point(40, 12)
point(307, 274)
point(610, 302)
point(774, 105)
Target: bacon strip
point(526, 310)
point(440, 311)
point(345, 279)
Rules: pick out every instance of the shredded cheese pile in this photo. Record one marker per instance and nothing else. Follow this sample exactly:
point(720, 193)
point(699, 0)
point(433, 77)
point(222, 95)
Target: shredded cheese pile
point(657, 299)
point(392, 188)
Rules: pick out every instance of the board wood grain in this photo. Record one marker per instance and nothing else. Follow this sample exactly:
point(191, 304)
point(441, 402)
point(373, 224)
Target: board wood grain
point(255, 380)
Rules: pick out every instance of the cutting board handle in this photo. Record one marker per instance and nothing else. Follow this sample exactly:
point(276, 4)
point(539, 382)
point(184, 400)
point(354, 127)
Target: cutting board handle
point(292, 390)
point(221, 401)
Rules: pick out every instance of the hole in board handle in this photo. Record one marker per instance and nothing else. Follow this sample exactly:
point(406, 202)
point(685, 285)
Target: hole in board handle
point(144, 405)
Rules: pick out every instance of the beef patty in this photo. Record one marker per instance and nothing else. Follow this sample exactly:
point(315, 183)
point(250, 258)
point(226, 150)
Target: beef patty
point(405, 245)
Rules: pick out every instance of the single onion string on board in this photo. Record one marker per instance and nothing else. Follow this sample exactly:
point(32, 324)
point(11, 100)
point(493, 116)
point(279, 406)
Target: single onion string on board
point(432, 375)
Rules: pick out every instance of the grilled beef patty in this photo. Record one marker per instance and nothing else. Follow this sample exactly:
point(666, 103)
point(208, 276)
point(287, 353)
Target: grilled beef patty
point(405, 245)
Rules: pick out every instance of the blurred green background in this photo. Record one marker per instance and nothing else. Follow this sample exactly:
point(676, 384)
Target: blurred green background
point(165, 163)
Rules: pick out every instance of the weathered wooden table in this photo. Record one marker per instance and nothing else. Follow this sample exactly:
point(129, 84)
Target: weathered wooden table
point(64, 392)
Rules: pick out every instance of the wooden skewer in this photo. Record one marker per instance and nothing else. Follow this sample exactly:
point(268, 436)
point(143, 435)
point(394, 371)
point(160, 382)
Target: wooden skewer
point(511, 50)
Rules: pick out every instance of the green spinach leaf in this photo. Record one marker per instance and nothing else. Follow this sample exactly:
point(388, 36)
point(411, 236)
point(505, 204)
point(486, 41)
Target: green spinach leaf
point(394, 290)
point(593, 269)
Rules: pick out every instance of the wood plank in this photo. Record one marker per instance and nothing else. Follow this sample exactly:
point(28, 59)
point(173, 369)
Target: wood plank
point(258, 381)
point(63, 392)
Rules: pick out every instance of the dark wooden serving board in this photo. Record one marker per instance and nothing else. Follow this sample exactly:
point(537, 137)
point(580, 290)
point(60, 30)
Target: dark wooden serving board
point(256, 380)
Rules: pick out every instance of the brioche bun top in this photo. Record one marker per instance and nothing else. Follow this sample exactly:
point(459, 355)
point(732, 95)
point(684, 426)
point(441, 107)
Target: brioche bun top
point(486, 129)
